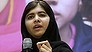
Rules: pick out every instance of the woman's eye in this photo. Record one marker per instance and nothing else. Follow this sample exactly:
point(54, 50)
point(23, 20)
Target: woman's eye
point(42, 15)
point(30, 17)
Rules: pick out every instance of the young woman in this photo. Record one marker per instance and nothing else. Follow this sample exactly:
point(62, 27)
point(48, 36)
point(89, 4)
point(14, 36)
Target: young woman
point(38, 23)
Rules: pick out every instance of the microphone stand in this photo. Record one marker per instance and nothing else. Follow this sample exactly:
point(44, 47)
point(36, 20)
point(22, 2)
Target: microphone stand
point(26, 50)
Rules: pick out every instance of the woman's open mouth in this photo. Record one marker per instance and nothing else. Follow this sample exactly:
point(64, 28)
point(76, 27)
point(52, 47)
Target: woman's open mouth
point(37, 27)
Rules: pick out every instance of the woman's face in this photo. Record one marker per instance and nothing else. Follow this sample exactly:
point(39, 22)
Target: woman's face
point(37, 21)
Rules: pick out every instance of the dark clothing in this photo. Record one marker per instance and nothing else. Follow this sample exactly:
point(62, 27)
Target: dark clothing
point(60, 46)
point(83, 39)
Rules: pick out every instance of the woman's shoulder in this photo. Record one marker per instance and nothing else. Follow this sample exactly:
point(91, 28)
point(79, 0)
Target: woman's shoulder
point(60, 46)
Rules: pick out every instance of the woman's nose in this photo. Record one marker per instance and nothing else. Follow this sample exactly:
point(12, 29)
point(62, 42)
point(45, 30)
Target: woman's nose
point(37, 19)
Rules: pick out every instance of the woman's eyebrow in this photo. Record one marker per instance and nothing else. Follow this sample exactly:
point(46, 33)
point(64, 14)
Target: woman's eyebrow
point(29, 14)
point(42, 12)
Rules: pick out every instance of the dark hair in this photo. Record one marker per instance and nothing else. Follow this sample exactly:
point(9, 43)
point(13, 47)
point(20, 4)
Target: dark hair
point(86, 9)
point(51, 33)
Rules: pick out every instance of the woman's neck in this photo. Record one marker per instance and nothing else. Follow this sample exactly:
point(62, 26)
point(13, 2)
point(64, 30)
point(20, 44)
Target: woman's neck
point(65, 33)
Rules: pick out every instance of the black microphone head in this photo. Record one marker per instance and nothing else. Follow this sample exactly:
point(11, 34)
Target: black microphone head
point(27, 43)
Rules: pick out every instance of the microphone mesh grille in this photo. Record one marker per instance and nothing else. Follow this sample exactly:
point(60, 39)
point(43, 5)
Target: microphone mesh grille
point(27, 43)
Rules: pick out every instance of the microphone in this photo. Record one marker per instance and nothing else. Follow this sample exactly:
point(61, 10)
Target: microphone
point(27, 44)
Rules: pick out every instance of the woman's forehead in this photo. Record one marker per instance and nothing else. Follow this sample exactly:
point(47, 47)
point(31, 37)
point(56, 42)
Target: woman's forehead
point(37, 9)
